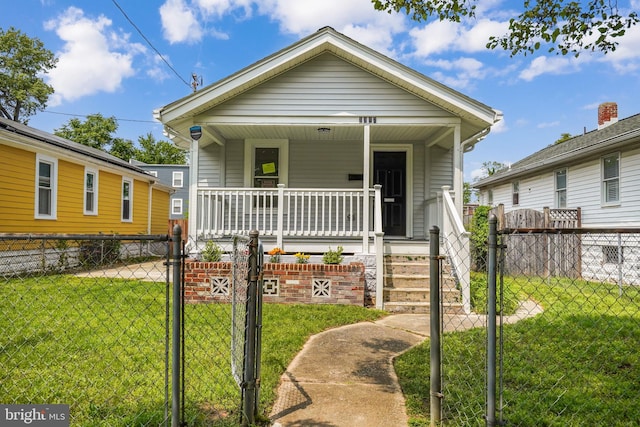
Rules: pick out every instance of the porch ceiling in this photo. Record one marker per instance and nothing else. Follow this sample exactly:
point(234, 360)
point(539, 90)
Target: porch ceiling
point(378, 133)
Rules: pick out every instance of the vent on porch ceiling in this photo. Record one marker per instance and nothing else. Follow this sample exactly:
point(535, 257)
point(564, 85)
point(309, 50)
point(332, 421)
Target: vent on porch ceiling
point(369, 119)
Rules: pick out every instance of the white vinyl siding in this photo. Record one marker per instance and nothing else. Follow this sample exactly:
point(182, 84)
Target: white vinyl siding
point(325, 164)
point(584, 190)
point(46, 191)
point(209, 160)
point(90, 191)
point(323, 86)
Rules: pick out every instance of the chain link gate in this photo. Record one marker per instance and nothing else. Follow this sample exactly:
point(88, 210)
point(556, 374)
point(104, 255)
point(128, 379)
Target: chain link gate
point(552, 337)
point(221, 331)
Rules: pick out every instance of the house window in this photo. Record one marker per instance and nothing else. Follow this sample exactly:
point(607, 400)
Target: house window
point(266, 163)
point(561, 189)
point(90, 192)
point(611, 179)
point(153, 173)
point(177, 179)
point(266, 166)
point(490, 197)
point(613, 254)
point(176, 206)
point(46, 187)
point(515, 193)
point(127, 200)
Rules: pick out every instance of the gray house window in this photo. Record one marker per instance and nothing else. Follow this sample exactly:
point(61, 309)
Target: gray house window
point(561, 189)
point(611, 179)
point(515, 193)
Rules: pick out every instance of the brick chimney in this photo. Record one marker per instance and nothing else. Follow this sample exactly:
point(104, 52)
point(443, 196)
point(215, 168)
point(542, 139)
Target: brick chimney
point(607, 114)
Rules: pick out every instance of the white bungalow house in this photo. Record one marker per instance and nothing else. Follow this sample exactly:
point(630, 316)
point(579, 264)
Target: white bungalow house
point(325, 143)
point(595, 175)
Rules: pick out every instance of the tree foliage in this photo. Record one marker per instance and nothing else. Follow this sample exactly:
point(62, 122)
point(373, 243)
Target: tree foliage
point(159, 152)
point(563, 137)
point(491, 167)
point(23, 62)
point(564, 26)
point(95, 131)
point(98, 132)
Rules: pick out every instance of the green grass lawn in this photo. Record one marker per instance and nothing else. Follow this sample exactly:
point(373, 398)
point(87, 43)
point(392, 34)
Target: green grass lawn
point(99, 345)
point(577, 364)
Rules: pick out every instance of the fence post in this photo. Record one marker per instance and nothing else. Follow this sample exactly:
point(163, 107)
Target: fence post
point(434, 310)
point(249, 376)
point(491, 321)
point(177, 303)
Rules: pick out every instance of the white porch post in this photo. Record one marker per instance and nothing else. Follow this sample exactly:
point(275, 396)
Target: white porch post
point(457, 170)
point(194, 210)
point(366, 206)
point(280, 218)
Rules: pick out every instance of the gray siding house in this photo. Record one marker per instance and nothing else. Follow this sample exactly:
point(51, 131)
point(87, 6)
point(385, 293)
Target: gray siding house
point(324, 143)
point(597, 172)
point(176, 177)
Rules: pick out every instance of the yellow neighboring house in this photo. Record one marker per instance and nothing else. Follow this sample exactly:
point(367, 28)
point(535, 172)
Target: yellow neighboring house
point(50, 185)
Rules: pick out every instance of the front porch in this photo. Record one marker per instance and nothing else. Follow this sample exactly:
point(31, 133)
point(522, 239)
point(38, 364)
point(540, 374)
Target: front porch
point(313, 221)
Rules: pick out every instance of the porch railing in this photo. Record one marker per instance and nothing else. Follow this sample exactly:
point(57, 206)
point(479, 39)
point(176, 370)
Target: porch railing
point(457, 246)
point(288, 212)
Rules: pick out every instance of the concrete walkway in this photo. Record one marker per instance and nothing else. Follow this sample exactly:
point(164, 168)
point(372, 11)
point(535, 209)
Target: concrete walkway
point(345, 376)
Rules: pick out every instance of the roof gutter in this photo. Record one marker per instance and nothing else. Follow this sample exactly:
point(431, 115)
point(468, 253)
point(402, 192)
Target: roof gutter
point(609, 143)
point(469, 144)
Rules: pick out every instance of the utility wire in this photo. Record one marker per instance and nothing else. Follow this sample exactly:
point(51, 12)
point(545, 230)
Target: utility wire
point(149, 43)
point(117, 119)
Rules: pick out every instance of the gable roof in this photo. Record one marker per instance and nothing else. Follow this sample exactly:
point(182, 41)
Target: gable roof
point(328, 40)
point(10, 127)
point(578, 148)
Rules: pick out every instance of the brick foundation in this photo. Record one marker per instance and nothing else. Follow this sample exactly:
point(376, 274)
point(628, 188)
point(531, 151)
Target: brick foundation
point(294, 283)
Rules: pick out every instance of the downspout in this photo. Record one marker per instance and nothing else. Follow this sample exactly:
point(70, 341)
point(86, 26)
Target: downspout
point(149, 207)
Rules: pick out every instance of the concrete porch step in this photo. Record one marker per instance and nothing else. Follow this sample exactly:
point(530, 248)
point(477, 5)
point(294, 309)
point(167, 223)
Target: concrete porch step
point(422, 294)
point(421, 307)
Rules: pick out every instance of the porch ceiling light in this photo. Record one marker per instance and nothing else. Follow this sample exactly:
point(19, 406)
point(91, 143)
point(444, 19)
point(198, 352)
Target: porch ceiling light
point(324, 130)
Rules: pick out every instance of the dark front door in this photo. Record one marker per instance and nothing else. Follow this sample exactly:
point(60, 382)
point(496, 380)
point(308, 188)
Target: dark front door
point(389, 170)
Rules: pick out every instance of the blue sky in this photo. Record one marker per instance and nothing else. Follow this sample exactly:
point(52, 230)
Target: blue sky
point(106, 66)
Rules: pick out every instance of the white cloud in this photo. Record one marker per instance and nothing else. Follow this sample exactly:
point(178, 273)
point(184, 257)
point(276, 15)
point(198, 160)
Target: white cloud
point(626, 57)
point(442, 36)
point(550, 65)
point(548, 124)
point(500, 127)
point(93, 59)
point(179, 22)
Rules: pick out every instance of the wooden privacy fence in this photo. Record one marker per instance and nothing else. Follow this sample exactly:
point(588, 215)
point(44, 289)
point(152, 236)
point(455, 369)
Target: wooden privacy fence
point(549, 252)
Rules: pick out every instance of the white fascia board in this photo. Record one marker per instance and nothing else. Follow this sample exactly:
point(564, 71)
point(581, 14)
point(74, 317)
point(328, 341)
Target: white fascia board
point(36, 146)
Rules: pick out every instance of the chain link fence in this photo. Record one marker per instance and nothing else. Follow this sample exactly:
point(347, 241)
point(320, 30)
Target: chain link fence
point(563, 349)
point(84, 323)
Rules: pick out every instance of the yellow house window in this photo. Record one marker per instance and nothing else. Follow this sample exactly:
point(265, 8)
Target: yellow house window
point(46, 187)
point(127, 200)
point(90, 192)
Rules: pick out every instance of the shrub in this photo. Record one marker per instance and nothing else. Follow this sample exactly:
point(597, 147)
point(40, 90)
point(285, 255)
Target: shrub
point(333, 257)
point(212, 252)
point(479, 238)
